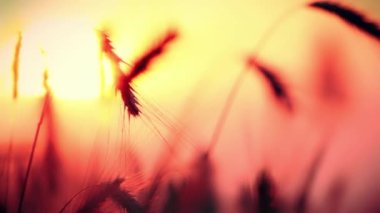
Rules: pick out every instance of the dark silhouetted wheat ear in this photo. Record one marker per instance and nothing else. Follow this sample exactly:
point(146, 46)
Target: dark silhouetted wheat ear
point(142, 64)
point(265, 193)
point(139, 67)
point(113, 191)
point(350, 16)
point(278, 88)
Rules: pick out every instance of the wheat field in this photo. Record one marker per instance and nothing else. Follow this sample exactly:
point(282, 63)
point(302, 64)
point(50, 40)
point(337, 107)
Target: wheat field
point(168, 106)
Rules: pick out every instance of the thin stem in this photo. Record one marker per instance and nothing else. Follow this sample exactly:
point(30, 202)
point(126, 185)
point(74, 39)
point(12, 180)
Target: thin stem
point(7, 170)
point(31, 156)
point(225, 111)
point(263, 40)
point(76, 195)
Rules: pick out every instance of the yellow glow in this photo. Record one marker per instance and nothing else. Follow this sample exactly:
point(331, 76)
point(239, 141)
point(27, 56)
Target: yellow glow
point(108, 77)
point(72, 58)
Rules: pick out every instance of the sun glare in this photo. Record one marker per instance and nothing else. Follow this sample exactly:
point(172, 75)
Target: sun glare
point(69, 49)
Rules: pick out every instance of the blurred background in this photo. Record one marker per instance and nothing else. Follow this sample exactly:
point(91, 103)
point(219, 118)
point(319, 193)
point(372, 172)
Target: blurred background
point(330, 70)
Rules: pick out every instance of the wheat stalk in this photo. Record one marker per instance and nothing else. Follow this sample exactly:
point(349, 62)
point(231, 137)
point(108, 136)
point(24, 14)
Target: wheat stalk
point(45, 112)
point(15, 66)
point(31, 155)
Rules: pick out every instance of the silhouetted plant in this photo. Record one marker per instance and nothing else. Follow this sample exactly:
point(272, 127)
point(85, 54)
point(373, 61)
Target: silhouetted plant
point(350, 16)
